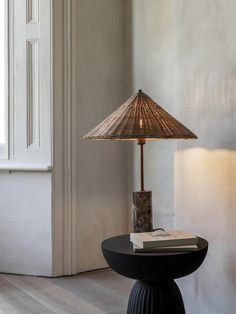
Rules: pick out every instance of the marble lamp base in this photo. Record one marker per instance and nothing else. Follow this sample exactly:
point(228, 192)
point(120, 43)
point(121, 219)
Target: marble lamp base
point(142, 211)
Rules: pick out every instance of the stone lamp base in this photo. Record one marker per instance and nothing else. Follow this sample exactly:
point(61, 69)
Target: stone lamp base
point(142, 211)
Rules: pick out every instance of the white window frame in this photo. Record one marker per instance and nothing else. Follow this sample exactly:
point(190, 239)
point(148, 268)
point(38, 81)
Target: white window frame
point(4, 149)
point(29, 106)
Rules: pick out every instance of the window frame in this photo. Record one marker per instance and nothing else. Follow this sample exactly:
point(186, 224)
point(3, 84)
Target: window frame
point(28, 24)
point(4, 148)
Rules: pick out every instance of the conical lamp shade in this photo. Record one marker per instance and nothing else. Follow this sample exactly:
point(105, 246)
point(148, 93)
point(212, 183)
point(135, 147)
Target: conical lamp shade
point(140, 117)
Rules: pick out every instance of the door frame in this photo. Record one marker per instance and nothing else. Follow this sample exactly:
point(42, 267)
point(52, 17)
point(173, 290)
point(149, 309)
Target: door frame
point(64, 166)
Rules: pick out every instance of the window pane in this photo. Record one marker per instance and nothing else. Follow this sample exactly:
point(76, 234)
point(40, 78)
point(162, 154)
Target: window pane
point(3, 69)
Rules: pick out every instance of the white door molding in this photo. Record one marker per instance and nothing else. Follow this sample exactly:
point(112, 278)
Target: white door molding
point(64, 174)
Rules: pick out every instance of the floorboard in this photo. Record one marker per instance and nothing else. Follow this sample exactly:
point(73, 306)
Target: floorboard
point(96, 292)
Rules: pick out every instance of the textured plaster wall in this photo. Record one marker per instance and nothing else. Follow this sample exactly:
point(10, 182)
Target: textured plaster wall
point(182, 53)
point(205, 173)
point(98, 89)
point(150, 53)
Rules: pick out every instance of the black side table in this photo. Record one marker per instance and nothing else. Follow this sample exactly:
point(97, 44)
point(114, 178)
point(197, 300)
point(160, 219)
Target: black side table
point(155, 290)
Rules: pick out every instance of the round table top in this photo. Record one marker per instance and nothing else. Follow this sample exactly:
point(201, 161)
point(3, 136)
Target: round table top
point(155, 266)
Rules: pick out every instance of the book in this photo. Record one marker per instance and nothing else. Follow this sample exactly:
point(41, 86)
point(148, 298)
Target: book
point(163, 238)
point(177, 248)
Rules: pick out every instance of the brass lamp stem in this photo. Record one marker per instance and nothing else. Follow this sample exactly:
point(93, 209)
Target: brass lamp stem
point(141, 142)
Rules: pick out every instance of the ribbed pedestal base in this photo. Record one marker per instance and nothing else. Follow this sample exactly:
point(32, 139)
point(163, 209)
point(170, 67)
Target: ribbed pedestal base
point(155, 298)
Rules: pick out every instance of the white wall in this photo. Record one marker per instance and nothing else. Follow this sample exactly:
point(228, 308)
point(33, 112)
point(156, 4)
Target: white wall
point(98, 89)
point(25, 231)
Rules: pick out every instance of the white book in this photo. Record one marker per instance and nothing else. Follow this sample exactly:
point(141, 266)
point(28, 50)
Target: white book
point(163, 238)
point(177, 248)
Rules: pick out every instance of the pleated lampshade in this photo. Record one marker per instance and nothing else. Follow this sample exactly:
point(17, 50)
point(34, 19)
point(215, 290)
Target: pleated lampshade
point(140, 117)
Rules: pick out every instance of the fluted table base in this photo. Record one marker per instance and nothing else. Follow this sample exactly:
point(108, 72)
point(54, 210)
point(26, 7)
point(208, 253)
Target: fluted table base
point(156, 297)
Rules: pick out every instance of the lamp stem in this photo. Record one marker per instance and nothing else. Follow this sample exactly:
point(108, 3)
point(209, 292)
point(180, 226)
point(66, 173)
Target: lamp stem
point(141, 142)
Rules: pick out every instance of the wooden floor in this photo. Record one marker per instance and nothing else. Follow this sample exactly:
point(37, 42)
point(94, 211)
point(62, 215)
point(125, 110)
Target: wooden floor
point(97, 292)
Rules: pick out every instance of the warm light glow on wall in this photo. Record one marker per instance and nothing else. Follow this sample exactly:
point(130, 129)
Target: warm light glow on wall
point(205, 185)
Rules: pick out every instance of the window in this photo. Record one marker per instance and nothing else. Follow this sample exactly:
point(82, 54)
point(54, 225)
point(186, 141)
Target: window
point(3, 79)
point(25, 84)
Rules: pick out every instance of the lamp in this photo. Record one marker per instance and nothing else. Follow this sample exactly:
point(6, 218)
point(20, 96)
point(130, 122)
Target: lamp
point(141, 119)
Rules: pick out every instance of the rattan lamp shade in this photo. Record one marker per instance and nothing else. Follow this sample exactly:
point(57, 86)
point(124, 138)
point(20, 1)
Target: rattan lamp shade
point(140, 118)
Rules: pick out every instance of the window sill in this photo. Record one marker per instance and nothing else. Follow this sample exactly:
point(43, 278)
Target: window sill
point(25, 168)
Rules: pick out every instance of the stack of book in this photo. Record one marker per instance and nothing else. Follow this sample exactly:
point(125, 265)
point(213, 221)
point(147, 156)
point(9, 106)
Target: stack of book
point(163, 241)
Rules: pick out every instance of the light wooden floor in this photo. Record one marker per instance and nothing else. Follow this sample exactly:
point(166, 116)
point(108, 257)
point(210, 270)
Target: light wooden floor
point(95, 292)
